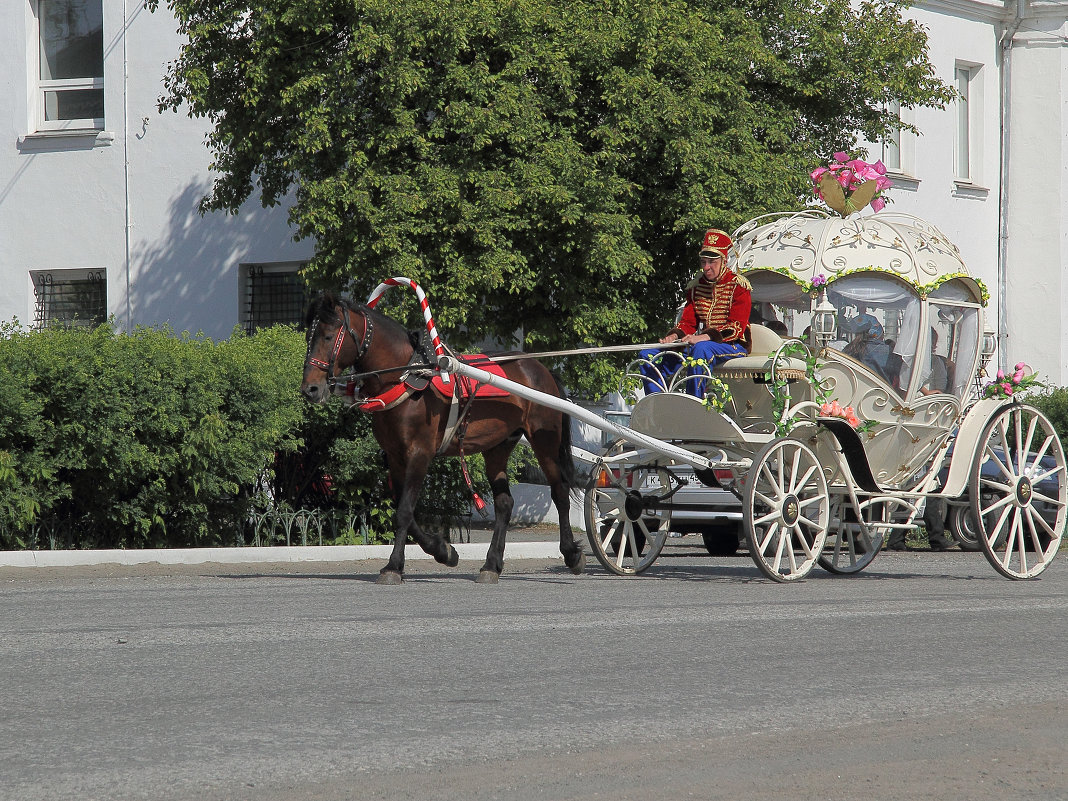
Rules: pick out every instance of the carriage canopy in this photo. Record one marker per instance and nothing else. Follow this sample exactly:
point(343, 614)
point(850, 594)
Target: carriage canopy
point(907, 310)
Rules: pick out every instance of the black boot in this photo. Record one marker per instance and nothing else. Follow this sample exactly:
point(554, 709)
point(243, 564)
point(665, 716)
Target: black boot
point(934, 519)
point(940, 542)
point(896, 542)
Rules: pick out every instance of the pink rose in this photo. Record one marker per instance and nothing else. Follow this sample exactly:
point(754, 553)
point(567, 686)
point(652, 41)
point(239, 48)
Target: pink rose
point(817, 173)
point(853, 421)
point(841, 156)
point(1020, 365)
point(1018, 376)
point(1001, 375)
point(878, 204)
point(1007, 388)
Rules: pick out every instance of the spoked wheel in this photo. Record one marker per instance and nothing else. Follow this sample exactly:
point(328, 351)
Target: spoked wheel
point(625, 522)
point(786, 510)
point(1018, 491)
point(849, 550)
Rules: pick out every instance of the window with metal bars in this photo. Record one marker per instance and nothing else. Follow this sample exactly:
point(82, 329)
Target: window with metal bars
point(274, 295)
point(69, 297)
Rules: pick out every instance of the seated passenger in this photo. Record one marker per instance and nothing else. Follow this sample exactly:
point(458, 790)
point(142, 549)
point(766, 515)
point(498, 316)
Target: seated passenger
point(937, 380)
point(867, 345)
point(715, 320)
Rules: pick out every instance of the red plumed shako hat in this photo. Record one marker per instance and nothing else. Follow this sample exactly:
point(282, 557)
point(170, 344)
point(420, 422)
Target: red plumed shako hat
point(715, 242)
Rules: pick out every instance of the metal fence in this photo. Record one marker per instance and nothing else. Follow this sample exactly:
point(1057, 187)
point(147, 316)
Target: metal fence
point(272, 526)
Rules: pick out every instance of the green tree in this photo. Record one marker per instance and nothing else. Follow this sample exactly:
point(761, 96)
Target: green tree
point(534, 163)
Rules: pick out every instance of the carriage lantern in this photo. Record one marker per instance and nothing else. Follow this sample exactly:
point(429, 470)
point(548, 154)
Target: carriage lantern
point(990, 344)
point(824, 321)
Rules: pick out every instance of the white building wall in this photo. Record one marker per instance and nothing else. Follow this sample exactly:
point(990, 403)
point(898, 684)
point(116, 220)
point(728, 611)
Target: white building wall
point(1036, 250)
point(64, 199)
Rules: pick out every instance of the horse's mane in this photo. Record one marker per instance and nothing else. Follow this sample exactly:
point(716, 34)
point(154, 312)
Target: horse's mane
point(326, 306)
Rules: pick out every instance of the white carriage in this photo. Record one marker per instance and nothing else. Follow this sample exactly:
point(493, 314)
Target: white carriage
point(881, 316)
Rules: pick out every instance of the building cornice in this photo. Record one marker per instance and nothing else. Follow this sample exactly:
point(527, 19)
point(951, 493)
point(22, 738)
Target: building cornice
point(997, 11)
point(1000, 13)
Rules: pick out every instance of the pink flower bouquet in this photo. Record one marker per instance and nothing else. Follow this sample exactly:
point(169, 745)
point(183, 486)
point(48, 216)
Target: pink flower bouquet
point(1008, 384)
point(834, 409)
point(848, 185)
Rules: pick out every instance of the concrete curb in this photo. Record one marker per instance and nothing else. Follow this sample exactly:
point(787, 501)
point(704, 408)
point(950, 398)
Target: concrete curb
point(282, 554)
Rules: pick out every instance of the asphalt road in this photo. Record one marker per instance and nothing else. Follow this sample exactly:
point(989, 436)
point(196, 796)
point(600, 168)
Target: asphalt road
point(928, 676)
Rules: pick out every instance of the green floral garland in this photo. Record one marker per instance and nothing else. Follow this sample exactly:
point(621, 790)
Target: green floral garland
point(819, 283)
point(780, 393)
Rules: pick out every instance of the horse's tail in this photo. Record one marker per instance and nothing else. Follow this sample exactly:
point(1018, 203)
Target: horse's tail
point(565, 457)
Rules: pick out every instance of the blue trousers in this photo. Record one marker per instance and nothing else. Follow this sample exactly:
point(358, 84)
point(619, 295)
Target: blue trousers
point(714, 353)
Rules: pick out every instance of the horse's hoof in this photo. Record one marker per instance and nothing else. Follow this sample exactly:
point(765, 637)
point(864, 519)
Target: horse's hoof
point(454, 558)
point(487, 577)
point(389, 577)
point(580, 565)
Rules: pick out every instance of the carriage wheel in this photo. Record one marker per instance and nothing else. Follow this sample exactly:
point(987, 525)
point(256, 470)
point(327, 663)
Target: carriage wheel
point(847, 549)
point(786, 510)
point(1018, 491)
point(625, 523)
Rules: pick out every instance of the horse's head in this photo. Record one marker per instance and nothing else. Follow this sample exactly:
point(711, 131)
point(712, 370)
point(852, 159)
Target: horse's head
point(333, 344)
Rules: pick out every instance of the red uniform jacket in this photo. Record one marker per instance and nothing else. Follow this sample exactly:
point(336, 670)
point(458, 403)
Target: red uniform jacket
point(720, 309)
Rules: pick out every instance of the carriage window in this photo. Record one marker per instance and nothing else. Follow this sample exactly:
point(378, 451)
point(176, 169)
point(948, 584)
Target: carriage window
point(878, 325)
point(955, 329)
point(779, 304)
point(274, 294)
point(75, 298)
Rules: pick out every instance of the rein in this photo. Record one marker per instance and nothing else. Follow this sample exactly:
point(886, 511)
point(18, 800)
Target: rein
point(514, 357)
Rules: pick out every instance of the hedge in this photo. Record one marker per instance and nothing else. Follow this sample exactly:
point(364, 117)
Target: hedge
point(151, 439)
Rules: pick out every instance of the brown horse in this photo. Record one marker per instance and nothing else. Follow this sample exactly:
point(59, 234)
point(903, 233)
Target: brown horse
point(343, 335)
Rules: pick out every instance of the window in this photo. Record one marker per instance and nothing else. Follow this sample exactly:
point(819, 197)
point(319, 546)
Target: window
point(964, 77)
point(274, 294)
point(891, 155)
point(71, 66)
point(878, 325)
point(69, 297)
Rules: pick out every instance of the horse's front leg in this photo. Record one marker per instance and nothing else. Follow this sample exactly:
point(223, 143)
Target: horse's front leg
point(497, 472)
point(409, 477)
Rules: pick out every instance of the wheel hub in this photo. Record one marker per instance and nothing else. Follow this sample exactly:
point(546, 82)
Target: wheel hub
point(791, 510)
point(1023, 491)
point(633, 506)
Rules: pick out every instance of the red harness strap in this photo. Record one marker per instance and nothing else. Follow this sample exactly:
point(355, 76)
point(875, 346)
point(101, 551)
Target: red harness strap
point(396, 394)
point(333, 353)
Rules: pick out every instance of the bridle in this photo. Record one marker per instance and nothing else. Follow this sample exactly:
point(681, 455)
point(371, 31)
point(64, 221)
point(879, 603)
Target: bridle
point(345, 328)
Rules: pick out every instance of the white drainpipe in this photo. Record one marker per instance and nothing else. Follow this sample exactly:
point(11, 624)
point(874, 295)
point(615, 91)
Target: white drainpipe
point(1005, 74)
point(126, 157)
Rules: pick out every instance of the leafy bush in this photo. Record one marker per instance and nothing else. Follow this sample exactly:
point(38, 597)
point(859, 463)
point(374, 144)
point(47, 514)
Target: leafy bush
point(1053, 403)
point(139, 440)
